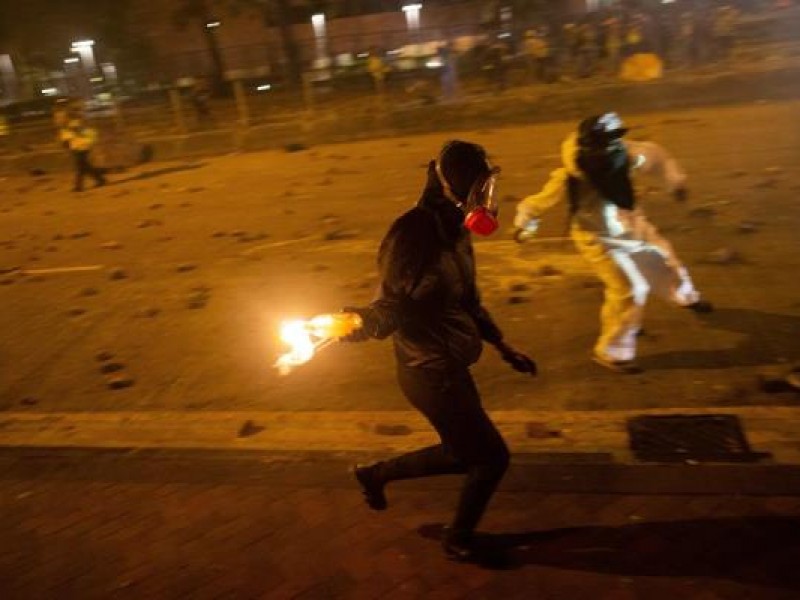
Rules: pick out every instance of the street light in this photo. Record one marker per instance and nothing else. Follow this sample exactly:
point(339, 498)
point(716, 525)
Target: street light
point(213, 24)
point(320, 35)
point(412, 16)
point(84, 49)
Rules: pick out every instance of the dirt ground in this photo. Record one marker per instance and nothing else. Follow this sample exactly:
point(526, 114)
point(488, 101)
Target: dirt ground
point(189, 267)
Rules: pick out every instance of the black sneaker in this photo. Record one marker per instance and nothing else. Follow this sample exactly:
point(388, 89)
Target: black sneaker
point(371, 486)
point(700, 307)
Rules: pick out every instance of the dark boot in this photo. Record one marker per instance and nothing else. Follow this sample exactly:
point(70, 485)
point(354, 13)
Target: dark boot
point(371, 485)
point(465, 547)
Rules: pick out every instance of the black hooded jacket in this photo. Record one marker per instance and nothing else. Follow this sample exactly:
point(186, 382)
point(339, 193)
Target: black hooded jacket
point(428, 299)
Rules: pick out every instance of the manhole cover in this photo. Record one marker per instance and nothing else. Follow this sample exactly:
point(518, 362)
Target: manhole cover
point(681, 438)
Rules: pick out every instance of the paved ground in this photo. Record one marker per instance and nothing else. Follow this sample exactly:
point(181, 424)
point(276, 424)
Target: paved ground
point(109, 526)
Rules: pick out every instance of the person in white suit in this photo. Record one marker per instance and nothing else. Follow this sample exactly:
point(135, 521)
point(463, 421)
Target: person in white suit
point(612, 232)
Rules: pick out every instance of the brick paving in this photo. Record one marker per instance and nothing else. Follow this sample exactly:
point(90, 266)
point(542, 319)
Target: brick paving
point(115, 526)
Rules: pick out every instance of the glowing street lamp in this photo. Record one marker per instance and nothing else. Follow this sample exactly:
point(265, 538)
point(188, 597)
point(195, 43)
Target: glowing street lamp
point(320, 36)
point(412, 16)
point(213, 24)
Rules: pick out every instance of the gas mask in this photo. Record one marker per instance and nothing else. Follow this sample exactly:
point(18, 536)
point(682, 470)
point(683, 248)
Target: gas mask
point(480, 207)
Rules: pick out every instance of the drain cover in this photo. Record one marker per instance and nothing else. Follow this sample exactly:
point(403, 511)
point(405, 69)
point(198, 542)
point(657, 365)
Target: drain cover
point(681, 438)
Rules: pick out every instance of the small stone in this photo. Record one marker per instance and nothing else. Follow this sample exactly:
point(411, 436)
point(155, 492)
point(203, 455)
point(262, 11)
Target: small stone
point(518, 299)
point(249, 429)
point(185, 267)
point(147, 313)
point(520, 287)
point(117, 274)
point(238, 233)
point(76, 311)
point(540, 431)
point(119, 382)
point(548, 271)
point(29, 401)
point(341, 234)
point(148, 223)
point(723, 256)
point(392, 430)
point(155, 206)
point(112, 245)
point(747, 227)
point(197, 301)
point(87, 292)
point(702, 212)
point(80, 235)
point(295, 147)
point(218, 234)
point(103, 356)
point(111, 367)
point(768, 183)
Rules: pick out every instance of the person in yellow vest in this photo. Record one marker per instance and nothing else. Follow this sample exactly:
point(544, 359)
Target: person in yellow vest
point(79, 138)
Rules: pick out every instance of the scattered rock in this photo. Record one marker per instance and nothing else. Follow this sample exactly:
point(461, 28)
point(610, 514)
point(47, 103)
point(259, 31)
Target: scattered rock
point(156, 206)
point(295, 147)
point(79, 235)
point(112, 245)
point(747, 227)
point(76, 311)
point(37, 172)
point(769, 183)
point(249, 429)
point(520, 287)
point(238, 233)
point(385, 429)
point(341, 234)
point(89, 291)
point(518, 299)
point(723, 256)
point(548, 271)
point(120, 382)
point(198, 299)
point(103, 356)
point(185, 267)
point(117, 274)
point(111, 367)
point(148, 223)
point(540, 431)
point(218, 234)
point(703, 212)
point(29, 401)
point(147, 313)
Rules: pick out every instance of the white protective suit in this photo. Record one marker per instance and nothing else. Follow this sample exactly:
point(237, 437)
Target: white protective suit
point(624, 248)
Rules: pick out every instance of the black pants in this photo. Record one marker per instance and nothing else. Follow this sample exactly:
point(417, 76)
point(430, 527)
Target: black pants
point(470, 442)
point(83, 167)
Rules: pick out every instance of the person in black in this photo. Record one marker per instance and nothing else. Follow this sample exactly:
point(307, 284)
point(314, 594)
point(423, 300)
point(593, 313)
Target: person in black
point(429, 303)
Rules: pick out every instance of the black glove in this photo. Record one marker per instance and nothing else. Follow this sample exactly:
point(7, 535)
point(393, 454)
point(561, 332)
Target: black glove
point(359, 335)
point(518, 361)
point(680, 194)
